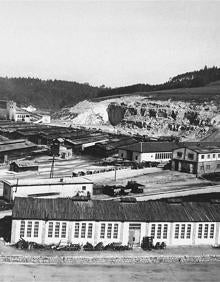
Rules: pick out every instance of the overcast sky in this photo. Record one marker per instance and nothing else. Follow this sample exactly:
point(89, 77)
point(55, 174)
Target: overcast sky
point(108, 42)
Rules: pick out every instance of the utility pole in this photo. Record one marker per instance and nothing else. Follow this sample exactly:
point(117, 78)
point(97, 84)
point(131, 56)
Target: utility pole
point(115, 174)
point(52, 167)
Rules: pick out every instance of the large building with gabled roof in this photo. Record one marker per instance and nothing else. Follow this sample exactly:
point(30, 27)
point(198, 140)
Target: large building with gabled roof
point(51, 221)
point(147, 151)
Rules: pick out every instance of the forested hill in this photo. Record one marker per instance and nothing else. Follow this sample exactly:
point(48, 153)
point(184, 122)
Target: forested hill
point(55, 94)
point(185, 80)
point(45, 94)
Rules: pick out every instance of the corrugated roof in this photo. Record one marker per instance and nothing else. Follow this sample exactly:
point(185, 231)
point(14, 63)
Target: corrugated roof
point(25, 163)
point(150, 147)
point(45, 181)
point(147, 211)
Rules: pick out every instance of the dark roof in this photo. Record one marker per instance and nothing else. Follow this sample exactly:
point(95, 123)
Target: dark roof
point(113, 144)
point(204, 150)
point(147, 211)
point(11, 145)
point(202, 147)
point(150, 147)
point(25, 164)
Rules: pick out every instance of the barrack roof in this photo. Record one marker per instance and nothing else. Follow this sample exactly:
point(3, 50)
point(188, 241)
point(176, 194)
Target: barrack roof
point(10, 145)
point(24, 163)
point(150, 147)
point(146, 211)
point(153, 147)
point(46, 181)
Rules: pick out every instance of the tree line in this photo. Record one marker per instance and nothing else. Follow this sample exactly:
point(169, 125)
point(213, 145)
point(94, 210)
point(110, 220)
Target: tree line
point(45, 94)
point(56, 94)
point(186, 80)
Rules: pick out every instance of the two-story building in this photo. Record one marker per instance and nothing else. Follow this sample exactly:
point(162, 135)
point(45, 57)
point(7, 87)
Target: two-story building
point(197, 159)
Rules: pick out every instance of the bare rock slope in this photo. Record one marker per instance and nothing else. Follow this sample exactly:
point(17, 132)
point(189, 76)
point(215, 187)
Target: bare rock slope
point(145, 116)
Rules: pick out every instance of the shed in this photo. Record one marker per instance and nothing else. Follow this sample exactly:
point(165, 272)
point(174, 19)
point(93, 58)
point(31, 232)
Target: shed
point(19, 166)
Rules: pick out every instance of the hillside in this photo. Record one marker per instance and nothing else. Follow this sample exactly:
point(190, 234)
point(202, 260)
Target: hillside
point(56, 94)
point(45, 94)
point(147, 116)
point(188, 80)
point(196, 94)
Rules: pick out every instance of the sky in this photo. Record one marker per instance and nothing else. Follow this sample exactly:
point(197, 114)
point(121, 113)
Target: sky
point(115, 43)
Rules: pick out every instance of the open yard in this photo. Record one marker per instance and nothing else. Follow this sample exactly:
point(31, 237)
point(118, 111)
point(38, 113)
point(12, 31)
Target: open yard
point(157, 182)
point(123, 273)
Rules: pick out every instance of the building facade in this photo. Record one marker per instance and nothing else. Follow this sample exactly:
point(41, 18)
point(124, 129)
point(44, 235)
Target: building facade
point(196, 159)
point(50, 187)
point(45, 221)
point(147, 152)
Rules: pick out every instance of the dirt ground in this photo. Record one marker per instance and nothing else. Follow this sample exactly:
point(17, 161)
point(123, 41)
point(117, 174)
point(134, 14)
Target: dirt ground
point(8, 250)
point(157, 182)
point(139, 273)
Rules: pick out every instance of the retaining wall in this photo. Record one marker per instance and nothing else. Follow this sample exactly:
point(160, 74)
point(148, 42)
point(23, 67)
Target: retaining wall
point(91, 260)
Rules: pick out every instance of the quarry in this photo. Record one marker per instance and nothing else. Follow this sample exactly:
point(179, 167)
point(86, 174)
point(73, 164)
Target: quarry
point(146, 117)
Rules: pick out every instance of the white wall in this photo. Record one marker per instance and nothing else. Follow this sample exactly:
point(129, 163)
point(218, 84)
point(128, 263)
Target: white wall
point(144, 157)
point(22, 117)
point(63, 189)
point(151, 157)
point(123, 233)
point(209, 157)
point(15, 236)
point(70, 232)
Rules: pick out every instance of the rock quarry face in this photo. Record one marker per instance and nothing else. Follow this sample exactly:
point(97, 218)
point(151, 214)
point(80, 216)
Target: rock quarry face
point(145, 116)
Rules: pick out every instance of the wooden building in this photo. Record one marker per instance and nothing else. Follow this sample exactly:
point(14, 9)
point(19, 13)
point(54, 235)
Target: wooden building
point(21, 166)
point(14, 149)
point(51, 221)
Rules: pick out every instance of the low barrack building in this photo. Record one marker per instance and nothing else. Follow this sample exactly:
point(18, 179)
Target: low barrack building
point(197, 159)
point(51, 221)
point(147, 151)
point(14, 149)
point(50, 187)
point(21, 166)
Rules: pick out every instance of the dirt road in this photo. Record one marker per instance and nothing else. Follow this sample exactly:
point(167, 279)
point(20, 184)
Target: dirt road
point(138, 273)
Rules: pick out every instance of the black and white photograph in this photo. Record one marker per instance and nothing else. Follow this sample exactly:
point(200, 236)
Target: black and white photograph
point(109, 140)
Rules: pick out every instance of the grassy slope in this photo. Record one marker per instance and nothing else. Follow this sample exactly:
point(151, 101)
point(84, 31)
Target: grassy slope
point(209, 92)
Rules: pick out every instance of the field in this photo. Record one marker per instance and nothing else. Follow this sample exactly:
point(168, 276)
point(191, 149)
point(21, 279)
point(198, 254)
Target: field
point(199, 94)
